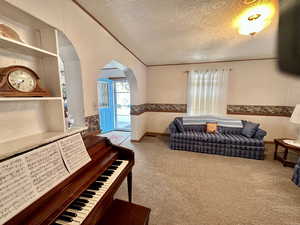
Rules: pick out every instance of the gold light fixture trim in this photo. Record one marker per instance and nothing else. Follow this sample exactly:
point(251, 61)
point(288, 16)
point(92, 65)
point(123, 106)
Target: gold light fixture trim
point(249, 2)
point(254, 17)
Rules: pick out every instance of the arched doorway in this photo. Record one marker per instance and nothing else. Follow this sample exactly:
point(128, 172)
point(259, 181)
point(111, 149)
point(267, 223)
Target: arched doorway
point(116, 84)
point(70, 72)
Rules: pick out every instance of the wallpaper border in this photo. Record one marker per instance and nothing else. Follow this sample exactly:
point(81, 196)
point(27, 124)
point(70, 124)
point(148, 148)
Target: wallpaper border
point(253, 110)
point(154, 107)
point(260, 110)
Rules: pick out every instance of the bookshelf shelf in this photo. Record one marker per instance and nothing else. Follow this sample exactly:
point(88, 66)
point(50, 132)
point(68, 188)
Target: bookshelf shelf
point(21, 48)
point(10, 99)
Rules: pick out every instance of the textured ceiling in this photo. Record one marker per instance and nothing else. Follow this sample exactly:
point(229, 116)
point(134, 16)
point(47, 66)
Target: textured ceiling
point(183, 31)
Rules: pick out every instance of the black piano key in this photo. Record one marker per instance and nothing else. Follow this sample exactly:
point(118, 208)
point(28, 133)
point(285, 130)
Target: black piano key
point(86, 195)
point(65, 218)
point(66, 213)
point(56, 223)
point(102, 178)
point(112, 167)
point(75, 207)
point(79, 203)
point(82, 200)
point(94, 188)
point(89, 192)
point(117, 163)
point(107, 173)
point(97, 184)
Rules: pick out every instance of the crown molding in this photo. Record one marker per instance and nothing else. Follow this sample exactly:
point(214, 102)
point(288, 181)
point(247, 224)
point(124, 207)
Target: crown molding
point(107, 30)
point(207, 62)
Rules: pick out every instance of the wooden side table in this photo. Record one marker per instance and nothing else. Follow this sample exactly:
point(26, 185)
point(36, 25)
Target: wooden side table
point(287, 147)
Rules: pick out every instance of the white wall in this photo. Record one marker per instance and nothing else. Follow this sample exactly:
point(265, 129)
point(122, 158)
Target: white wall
point(256, 82)
point(94, 46)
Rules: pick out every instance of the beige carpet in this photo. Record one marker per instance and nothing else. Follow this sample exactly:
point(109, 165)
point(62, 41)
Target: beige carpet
point(185, 188)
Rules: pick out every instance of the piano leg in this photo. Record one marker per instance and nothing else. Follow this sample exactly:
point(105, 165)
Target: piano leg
point(129, 184)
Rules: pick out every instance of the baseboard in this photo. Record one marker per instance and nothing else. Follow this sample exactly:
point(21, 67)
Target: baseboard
point(139, 140)
point(154, 134)
point(150, 134)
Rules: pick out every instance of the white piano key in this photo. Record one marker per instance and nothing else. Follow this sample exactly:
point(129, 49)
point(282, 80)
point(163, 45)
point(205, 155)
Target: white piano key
point(67, 223)
point(81, 215)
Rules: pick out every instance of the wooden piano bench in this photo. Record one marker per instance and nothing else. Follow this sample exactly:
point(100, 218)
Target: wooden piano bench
point(126, 213)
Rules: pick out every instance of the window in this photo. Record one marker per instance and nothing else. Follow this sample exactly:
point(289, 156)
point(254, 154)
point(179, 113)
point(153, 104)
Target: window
point(207, 92)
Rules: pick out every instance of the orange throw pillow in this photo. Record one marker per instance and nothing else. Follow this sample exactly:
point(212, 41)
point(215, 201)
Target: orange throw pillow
point(211, 127)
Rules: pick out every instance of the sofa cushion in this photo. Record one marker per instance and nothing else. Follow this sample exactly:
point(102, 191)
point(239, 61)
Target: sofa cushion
point(249, 129)
point(229, 130)
point(194, 137)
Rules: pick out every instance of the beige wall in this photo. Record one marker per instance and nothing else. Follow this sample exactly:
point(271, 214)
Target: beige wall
point(94, 46)
point(256, 82)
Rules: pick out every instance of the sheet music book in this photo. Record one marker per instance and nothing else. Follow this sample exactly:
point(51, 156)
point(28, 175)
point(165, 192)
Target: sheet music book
point(16, 188)
point(25, 178)
point(46, 167)
point(74, 152)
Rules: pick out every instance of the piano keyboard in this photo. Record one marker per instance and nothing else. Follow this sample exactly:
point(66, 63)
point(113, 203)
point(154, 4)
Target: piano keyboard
point(81, 207)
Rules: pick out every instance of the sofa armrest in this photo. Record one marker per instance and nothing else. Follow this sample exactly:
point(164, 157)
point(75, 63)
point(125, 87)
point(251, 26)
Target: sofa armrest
point(260, 134)
point(172, 128)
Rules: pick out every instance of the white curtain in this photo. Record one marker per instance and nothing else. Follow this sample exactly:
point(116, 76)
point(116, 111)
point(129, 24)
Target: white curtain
point(207, 92)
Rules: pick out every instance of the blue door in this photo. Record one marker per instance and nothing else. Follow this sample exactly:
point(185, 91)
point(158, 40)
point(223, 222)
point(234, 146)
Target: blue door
point(106, 105)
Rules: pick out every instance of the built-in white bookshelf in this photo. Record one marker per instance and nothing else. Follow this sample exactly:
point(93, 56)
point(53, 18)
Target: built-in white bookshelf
point(27, 122)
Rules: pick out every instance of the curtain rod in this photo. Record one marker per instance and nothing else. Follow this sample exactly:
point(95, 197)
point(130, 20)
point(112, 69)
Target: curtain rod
point(230, 69)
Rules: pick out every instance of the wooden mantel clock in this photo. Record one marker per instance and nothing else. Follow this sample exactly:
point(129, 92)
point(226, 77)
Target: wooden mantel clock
point(20, 81)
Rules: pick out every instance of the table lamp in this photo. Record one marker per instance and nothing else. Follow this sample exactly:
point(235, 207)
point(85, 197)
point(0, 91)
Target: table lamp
point(295, 118)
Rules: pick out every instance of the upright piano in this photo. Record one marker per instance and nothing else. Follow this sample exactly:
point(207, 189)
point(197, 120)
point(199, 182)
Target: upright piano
point(87, 196)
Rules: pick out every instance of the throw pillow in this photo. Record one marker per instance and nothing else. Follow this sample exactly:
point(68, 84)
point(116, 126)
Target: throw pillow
point(211, 127)
point(249, 129)
point(259, 134)
point(179, 125)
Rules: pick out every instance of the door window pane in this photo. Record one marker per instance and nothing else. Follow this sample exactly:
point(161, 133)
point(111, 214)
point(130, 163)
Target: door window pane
point(122, 96)
point(103, 95)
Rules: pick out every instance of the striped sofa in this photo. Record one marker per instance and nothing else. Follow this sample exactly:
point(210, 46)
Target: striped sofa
point(296, 176)
point(227, 141)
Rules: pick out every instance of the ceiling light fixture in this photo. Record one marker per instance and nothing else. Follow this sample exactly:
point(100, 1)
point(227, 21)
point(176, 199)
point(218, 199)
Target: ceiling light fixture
point(255, 19)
